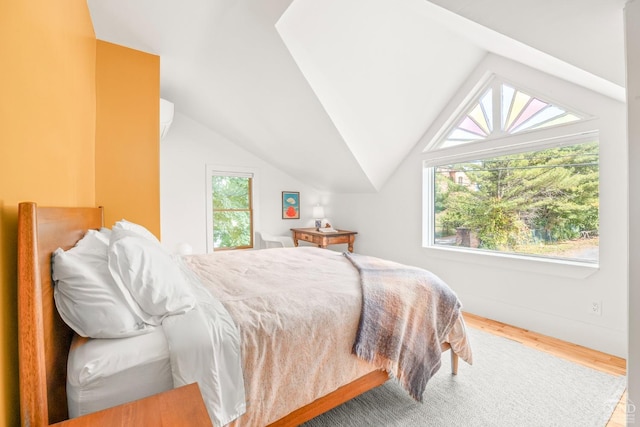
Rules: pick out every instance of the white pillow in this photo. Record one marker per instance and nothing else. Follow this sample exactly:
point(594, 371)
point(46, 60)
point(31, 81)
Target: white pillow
point(86, 295)
point(123, 224)
point(105, 235)
point(144, 268)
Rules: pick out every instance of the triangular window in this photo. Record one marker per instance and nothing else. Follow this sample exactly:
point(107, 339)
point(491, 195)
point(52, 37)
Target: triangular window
point(501, 110)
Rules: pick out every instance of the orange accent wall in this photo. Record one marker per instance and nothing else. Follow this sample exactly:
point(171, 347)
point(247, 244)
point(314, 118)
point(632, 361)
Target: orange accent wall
point(79, 123)
point(128, 135)
point(47, 125)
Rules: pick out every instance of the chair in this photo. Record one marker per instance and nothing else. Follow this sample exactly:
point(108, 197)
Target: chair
point(268, 241)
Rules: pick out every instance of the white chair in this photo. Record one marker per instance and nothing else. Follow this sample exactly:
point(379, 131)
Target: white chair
point(270, 241)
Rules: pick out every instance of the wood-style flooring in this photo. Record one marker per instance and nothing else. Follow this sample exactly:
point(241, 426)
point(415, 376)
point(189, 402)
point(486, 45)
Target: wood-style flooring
point(572, 352)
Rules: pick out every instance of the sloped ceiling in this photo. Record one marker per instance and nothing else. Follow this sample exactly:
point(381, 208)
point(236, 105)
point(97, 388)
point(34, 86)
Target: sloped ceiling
point(358, 81)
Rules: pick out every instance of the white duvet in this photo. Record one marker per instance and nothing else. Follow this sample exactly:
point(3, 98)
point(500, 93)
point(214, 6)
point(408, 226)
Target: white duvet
point(297, 311)
point(204, 347)
point(273, 330)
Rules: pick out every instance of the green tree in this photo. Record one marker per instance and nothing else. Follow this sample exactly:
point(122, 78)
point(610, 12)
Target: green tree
point(549, 195)
point(231, 211)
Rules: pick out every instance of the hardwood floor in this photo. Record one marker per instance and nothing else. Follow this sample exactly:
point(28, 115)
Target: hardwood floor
point(584, 356)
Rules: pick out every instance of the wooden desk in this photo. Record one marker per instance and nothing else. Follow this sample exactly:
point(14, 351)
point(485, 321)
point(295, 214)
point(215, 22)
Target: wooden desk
point(323, 240)
point(180, 407)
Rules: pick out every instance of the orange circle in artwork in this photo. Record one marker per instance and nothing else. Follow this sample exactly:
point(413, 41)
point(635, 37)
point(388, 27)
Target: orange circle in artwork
point(291, 211)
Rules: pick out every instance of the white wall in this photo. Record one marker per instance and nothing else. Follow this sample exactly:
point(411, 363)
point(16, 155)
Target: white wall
point(546, 298)
point(184, 154)
point(632, 19)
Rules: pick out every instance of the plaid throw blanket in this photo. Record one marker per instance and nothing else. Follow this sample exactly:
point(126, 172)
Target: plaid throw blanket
point(407, 313)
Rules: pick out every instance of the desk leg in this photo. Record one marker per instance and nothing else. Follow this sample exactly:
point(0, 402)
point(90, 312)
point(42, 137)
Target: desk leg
point(295, 242)
point(351, 240)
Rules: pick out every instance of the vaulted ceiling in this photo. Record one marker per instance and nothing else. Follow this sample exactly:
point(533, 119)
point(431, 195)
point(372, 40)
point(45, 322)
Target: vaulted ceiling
point(359, 81)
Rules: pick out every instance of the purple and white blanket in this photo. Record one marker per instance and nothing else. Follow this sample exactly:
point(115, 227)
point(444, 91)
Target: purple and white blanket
point(407, 312)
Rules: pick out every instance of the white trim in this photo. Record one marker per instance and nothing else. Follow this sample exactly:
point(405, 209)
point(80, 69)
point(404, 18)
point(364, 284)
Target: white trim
point(472, 96)
point(525, 263)
point(226, 170)
point(567, 134)
point(428, 205)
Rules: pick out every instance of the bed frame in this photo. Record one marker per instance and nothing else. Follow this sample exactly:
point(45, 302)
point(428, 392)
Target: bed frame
point(44, 338)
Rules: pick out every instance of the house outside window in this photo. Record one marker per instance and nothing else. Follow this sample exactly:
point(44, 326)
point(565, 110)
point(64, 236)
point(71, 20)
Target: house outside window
point(514, 174)
point(230, 209)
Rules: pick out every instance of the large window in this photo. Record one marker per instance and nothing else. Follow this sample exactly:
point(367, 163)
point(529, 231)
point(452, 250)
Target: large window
point(514, 174)
point(230, 213)
point(535, 203)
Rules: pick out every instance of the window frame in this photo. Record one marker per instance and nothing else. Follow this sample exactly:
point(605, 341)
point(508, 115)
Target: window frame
point(583, 131)
point(428, 208)
point(219, 170)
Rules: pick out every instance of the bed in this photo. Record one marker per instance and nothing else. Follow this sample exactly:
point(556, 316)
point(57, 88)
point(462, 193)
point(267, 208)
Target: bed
point(45, 339)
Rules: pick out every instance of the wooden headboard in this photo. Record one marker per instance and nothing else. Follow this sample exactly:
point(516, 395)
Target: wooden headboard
point(44, 338)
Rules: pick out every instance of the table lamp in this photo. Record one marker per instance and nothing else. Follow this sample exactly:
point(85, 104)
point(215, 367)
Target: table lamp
point(318, 215)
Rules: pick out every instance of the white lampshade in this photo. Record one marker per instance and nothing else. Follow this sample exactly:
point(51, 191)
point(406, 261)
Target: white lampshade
point(318, 212)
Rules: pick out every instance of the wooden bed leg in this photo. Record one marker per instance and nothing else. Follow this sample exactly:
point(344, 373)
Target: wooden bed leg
point(454, 363)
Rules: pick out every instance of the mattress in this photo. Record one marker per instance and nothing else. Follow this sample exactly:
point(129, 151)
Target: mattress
point(102, 373)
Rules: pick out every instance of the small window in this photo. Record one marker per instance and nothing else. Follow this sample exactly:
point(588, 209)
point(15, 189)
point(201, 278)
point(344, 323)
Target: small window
point(230, 213)
point(540, 203)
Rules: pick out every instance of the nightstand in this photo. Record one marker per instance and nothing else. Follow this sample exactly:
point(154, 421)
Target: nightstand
point(180, 407)
point(321, 239)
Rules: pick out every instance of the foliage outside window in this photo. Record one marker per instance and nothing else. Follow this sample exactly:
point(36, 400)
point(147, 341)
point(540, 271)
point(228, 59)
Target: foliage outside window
point(232, 211)
point(542, 202)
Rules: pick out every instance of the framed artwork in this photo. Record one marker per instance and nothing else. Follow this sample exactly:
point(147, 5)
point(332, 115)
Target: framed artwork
point(290, 205)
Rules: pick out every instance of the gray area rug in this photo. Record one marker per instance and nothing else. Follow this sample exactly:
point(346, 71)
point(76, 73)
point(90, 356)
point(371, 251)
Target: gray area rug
point(509, 384)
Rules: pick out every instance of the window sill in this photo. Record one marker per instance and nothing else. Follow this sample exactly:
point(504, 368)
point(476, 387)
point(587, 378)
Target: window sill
point(529, 264)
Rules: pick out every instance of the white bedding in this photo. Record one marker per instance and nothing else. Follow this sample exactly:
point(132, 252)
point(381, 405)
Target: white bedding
point(136, 367)
point(201, 345)
point(296, 311)
point(294, 307)
point(204, 347)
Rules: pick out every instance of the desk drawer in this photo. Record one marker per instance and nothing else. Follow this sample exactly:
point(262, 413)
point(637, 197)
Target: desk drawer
point(304, 236)
point(334, 240)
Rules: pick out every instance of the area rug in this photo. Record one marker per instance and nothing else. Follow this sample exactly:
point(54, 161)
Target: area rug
point(509, 384)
